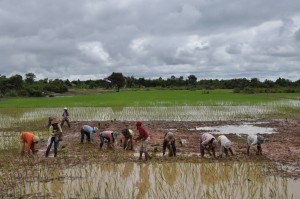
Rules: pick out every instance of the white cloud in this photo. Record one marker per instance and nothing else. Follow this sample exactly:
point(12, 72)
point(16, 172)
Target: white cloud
point(151, 38)
point(94, 50)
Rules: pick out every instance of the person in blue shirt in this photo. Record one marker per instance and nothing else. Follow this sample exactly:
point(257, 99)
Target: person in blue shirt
point(88, 131)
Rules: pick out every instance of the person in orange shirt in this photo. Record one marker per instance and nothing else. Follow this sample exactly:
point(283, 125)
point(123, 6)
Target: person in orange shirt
point(30, 139)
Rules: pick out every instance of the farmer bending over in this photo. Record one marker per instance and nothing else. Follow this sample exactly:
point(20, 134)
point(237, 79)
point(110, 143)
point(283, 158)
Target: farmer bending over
point(30, 139)
point(144, 136)
point(169, 142)
point(253, 140)
point(55, 132)
point(128, 135)
point(88, 131)
point(225, 145)
point(207, 142)
point(110, 136)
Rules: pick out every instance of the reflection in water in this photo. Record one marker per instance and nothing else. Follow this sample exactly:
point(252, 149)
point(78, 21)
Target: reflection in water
point(143, 184)
point(128, 168)
point(165, 180)
point(169, 172)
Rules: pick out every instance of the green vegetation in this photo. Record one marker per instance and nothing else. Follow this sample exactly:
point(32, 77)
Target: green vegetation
point(148, 98)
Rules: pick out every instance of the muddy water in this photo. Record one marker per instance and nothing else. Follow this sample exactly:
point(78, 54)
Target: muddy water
point(163, 180)
point(238, 129)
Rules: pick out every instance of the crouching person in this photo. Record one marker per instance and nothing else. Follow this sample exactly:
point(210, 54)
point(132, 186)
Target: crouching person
point(169, 142)
point(110, 136)
point(55, 132)
point(31, 140)
point(208, 142)
point(225, 145)
point(88, 131)
point(128, 138)
point(253, 140)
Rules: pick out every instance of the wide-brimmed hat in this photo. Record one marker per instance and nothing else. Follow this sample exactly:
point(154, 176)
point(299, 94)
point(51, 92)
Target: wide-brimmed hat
point(36, 138)
point(227, 145)
point(54, 121)
point(260, 139)
point(115, 134)
point(170, 137)
point(65, 108)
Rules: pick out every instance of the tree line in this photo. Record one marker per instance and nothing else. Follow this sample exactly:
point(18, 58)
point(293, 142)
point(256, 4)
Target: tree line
point(16, 85)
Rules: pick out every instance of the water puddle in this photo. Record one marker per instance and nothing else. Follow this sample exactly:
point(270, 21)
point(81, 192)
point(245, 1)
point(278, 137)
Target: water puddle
point(237, 129)
point(162, 180)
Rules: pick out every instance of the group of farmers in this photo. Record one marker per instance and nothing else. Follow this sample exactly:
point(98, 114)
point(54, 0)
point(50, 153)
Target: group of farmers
point(207, 141)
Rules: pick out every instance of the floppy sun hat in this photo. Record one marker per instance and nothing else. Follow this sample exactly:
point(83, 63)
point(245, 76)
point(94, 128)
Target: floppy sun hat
point(115, 134)
point(36, 138)
point(54, 121)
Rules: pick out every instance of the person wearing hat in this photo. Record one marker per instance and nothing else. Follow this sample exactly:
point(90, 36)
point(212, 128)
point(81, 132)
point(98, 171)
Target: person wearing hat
point(65, 117)
point(128, 135)
point(169, 142)
point(31, 140)
point(110, 136)
point(207, 142)
point(88, 131)
point(225, 145)
point(144, 136)
point(253, 140)
point(55, 132)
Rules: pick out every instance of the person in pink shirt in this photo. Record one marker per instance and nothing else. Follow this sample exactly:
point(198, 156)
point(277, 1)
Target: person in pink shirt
point(110, 136)
point(144, 136)
point(208, 142)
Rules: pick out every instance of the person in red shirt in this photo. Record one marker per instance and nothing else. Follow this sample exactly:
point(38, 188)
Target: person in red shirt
point(144, 136)
point(30, 139)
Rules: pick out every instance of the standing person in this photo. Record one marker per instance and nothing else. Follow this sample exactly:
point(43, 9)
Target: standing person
point(128, 135)
point(110, 136)
point(30, 139)
point(207, 142)
point(144, 136)
point(65, 117)
point(88, 131)
point(55, 132)
point(253, 140)
point(169, 142)
point(225, 145)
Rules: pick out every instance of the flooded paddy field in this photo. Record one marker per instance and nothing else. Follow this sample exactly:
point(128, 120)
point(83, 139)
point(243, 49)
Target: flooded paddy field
point(82, 171)
point(160, 180)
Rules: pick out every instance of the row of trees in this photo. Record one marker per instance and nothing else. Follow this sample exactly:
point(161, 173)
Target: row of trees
point(29, 86)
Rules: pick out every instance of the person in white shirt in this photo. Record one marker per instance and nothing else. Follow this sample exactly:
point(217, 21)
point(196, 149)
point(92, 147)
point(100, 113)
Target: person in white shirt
point(225, 145)
point(253, 140)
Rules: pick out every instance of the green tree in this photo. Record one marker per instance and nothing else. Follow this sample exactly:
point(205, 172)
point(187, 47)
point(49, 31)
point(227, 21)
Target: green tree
point(29, 78)
point(192, 80)
point(117, 80)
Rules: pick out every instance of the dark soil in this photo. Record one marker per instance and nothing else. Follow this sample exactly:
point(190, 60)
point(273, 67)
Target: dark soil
point(282, 147)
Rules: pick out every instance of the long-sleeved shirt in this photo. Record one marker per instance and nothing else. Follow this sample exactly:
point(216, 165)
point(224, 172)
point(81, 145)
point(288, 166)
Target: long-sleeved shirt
point(54, 132)
point(169, 137)
point(27, 137)
point(205, 138)
point(224, 142)
point(143, 133)
point(89, 129)
point(252, 140)
point(128, 133)
point(107, 134)
point(65, 115)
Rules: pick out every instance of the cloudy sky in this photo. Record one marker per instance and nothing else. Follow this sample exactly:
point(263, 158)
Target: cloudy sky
point(90, 39)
